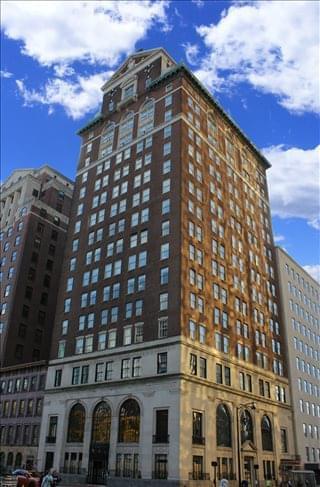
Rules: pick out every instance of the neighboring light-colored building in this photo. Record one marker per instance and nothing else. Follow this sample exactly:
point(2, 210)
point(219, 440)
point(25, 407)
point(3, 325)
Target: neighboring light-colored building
point(35, 209)
point(301, 315)
point(167, 352)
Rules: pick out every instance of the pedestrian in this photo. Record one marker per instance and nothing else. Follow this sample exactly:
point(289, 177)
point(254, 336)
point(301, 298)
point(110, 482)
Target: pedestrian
point(47, 480)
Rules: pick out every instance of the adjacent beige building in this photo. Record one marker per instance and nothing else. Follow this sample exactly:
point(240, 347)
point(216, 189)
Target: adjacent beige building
point(301, 315)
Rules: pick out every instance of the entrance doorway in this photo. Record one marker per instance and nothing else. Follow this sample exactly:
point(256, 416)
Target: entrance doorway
point(99, 448)
point(98, 463)
point(249, 471)
point(49, 461)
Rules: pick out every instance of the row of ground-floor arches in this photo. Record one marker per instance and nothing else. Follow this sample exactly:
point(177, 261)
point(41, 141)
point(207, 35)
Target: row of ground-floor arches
point(129, 425)
point(132, 436)
point(16, 460)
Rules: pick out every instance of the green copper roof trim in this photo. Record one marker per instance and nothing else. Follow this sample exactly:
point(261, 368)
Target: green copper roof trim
point(183, 67)
point(98, 118)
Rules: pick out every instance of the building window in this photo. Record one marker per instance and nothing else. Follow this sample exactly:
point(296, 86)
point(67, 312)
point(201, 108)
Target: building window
point(101, 424)
point(61, 349)
point(99, 376)
point(193, 364)
point(266, 434)
point(163, 304)
point(146, 118)
point(203, 367)
point(136, 367)
point(129, 422)
point(125, 368)
point(161, 466)
point(138, 333)
point(52, 430)
point(84, 374)
point(106, 143)
point(75, 376)
point(164, 275)
point(162, 363)
point(30, 407)
point(223, 426)
point(163, 327)
point(164, 251)
point(76, 424)
point(197, 426)
point(161, 435)
point(57, 377)
point(197, 467)
point(109, 369)
point(126, 129)
point(284, 441)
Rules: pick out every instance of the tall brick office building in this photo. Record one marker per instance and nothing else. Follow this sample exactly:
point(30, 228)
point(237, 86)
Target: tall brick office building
point(35, 208)
point(167, 352)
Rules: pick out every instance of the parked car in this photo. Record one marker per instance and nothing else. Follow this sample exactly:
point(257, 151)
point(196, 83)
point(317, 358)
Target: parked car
point(26, 479)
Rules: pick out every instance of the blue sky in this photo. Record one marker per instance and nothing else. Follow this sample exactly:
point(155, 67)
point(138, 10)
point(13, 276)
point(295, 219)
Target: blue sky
point(259, 59)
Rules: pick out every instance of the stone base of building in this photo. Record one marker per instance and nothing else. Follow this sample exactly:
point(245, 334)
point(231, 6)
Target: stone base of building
point(121, 482)
point(78, 480)
point(73, 479)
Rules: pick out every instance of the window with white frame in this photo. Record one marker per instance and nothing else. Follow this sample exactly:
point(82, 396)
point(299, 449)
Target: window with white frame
point(126, 129)
point(146, 117)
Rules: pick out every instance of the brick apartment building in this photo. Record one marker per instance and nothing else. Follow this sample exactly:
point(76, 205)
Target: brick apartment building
point(35, 208)
point(167, 360)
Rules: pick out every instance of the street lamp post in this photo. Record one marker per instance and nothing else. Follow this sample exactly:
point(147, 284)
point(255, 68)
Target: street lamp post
point(256, 474)
point(214, 465)
point(240, 407)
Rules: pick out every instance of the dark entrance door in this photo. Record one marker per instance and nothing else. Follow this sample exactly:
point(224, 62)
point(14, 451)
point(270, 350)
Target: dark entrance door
point(98, 463)
point(49, 461)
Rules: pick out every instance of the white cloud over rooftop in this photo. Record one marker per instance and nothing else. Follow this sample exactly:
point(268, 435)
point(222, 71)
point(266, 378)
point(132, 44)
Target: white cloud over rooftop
point(294, 182)
point(77, 96)
point(273, 46)
point(96, 32)
point(313, 270)
point(60, 34)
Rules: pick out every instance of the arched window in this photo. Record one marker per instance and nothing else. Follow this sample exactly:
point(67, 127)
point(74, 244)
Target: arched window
point(223, 426)
point(2, 458)
point(106, 142)
point(266, 434)
point(101, 423)
point(146, 117)
point(126, 129)
point(129, 422)
point(77, 418)
point(18, 460)
point(246, 426)
point(10, 459)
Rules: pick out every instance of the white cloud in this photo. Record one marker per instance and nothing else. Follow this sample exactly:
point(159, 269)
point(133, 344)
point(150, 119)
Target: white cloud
point(62, 70)
point(294, 182)
point(274, 46)
point(192, 52)
point(278, 238)
point(198, 3)
point(77, 97)
point(58, 34)
point(55, 32)
point(313, 270)
point(5, 74)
